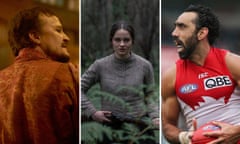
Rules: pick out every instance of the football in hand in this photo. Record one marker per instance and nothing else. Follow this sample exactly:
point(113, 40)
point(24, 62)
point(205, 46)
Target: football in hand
point(199, 138)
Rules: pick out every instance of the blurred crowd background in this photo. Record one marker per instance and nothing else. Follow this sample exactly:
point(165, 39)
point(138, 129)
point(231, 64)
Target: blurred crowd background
point(67, 11)
point(228, 13)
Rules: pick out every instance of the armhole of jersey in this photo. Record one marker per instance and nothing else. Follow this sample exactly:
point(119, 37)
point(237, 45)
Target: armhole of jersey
point(223, 55)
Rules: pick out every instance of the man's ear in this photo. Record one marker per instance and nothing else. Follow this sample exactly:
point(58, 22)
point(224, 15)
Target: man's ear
point(202, 33)
point(34, 37)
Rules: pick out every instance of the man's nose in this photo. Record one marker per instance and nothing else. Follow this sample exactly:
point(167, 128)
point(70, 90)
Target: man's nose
point(66, 37)
point(174, 33)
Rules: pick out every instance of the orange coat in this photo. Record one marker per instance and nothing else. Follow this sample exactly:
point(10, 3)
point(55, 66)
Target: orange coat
point(38, 101)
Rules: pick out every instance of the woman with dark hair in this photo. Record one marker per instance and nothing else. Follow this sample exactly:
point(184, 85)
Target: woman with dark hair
point(117, 75)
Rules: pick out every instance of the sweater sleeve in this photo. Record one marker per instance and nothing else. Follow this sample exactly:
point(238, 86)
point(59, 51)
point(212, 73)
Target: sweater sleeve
point(88, 79)
point(152, 105)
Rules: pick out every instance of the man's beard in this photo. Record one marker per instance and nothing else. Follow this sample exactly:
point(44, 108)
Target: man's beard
point(189, 47)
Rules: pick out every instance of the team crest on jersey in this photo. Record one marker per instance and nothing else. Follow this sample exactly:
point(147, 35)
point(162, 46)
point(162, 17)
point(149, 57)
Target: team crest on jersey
point(217, 82)
point(188, 88)
point(211, 127)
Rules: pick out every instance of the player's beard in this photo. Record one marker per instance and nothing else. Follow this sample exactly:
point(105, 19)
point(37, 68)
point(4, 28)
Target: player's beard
point(189, 47)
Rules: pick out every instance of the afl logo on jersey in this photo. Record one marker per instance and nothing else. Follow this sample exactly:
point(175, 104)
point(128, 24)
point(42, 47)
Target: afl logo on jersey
point(188, 88)
point(216, 82)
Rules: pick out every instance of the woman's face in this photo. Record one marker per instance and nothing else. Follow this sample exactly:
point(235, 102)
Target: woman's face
point(122, 43)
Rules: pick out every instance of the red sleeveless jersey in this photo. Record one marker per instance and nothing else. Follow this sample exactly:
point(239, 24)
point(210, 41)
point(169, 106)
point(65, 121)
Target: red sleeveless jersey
point(204, 91)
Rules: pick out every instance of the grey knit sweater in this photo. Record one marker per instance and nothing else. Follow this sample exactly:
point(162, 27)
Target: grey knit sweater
point(130, 80)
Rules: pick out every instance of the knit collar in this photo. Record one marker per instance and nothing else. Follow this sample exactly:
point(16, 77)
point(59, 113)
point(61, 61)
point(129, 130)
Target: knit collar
point(127, 60)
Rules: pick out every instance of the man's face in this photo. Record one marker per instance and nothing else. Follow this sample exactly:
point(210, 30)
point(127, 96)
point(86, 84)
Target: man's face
point(53, 40)
point(185, 34)
point(122, 43)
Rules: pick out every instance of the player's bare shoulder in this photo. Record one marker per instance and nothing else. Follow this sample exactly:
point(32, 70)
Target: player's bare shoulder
point(168, 82)
point(232, 62)
point(169, 74)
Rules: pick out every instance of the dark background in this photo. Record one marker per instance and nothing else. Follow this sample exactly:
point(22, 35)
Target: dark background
point(97, 17)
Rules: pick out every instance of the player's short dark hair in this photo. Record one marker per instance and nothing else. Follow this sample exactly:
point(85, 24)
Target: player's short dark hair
point(206, 18)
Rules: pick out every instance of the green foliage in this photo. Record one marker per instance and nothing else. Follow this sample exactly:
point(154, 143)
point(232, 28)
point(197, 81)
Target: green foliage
point(119, 9)
point(93, 132)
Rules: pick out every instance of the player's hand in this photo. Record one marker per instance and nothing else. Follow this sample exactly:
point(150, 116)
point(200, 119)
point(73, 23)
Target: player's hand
point(101, 116)
point(185, 136)
point(229, 134)
point(192, 129)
